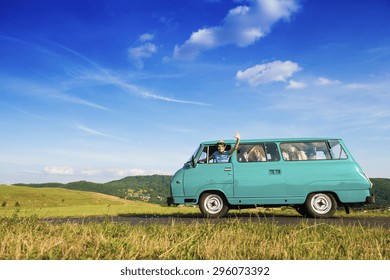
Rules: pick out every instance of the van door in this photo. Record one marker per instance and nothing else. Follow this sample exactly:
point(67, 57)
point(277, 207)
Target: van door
point(259, 175)
point(208, 176)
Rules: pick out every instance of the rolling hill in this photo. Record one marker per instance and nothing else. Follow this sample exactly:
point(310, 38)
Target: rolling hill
point(154, 188)
point(18, 196)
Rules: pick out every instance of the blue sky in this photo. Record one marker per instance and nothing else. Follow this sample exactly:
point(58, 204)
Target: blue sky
point(99, 90)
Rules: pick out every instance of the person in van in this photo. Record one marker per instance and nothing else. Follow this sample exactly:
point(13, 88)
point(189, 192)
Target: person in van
point(222, 155)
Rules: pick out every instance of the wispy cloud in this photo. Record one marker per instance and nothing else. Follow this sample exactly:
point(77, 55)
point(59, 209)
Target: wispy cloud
point(117, 81)
point(105, 76)
point(146, 37)
point(242, 26)
point(276, 71)
point(94, 132)
point(145, 50)
point(41, 90)
point(321, 81)
point(84, 71)
point(296, 85)
point(137, 54)
point(94, 172)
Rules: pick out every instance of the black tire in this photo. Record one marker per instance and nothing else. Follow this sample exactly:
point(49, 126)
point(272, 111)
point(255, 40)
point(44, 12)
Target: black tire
point(213, 205)
point(320, 205)
point(301, 209)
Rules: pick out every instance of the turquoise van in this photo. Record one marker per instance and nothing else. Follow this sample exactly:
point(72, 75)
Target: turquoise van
point(312, 175)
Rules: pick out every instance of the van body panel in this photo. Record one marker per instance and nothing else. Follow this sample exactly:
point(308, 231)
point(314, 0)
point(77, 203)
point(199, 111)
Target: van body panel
point(204, 177)
point(258, 183)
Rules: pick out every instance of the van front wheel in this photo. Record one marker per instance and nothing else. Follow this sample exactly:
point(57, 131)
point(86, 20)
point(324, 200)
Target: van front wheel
point(213, 205)
point(320, 205)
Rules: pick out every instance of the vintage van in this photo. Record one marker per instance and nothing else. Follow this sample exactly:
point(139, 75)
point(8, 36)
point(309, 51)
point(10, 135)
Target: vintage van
point(312, 175)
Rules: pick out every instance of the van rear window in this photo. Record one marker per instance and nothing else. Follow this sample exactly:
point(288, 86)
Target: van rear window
point(336, 150)
point(305, 151)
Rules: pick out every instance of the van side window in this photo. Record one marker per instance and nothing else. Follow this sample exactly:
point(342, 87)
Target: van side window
point(207, 152)
point(257, 152)
point(305, 151)
point(336, 150)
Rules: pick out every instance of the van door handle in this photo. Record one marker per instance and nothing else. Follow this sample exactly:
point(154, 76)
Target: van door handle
point(228, 169)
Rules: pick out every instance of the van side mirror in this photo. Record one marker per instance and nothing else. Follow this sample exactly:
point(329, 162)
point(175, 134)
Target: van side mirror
point(193, 162)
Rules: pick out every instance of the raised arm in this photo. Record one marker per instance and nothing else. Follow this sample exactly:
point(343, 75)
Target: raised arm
point(238, 137)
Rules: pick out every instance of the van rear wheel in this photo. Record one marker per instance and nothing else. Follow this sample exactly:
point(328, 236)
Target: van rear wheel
point(320, 205)
point(213, 205)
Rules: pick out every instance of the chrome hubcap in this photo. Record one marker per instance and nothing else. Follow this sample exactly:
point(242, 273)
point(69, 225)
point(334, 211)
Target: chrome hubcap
point(321, 203)
point(213, 204)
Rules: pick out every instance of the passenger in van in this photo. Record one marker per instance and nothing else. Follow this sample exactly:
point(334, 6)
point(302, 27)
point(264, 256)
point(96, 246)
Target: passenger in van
point(285, 155)
point(255, 154)
point(221, 155)
point(293, 153)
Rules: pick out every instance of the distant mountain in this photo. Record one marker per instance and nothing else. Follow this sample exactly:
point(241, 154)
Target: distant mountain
point(155, 188)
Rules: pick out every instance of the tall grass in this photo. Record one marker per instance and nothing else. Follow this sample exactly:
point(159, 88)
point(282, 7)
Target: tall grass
point(29, 238)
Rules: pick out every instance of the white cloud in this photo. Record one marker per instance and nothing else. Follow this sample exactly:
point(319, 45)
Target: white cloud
point(242, 26)
point(146, 37)
point(59, 170)
point(137, 54)
point(358, 86)
point(276, 71)
point(295, 85)
point(96, 172)
point(324, 82)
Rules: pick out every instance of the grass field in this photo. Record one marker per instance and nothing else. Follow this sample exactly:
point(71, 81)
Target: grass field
point(52, 202)
point(28, 238)
point(24, 236)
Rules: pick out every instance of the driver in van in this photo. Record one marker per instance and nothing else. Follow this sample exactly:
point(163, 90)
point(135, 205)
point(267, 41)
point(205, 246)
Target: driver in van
point(222, 155)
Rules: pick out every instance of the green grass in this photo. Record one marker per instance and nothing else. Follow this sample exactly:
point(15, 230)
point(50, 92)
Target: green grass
point(29, 238)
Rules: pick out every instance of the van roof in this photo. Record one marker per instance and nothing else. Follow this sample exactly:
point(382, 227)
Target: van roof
point(243, 141)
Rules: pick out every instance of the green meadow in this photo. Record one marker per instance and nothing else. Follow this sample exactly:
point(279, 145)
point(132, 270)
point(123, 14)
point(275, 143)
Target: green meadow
point(24, 236)
point(54, 202)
